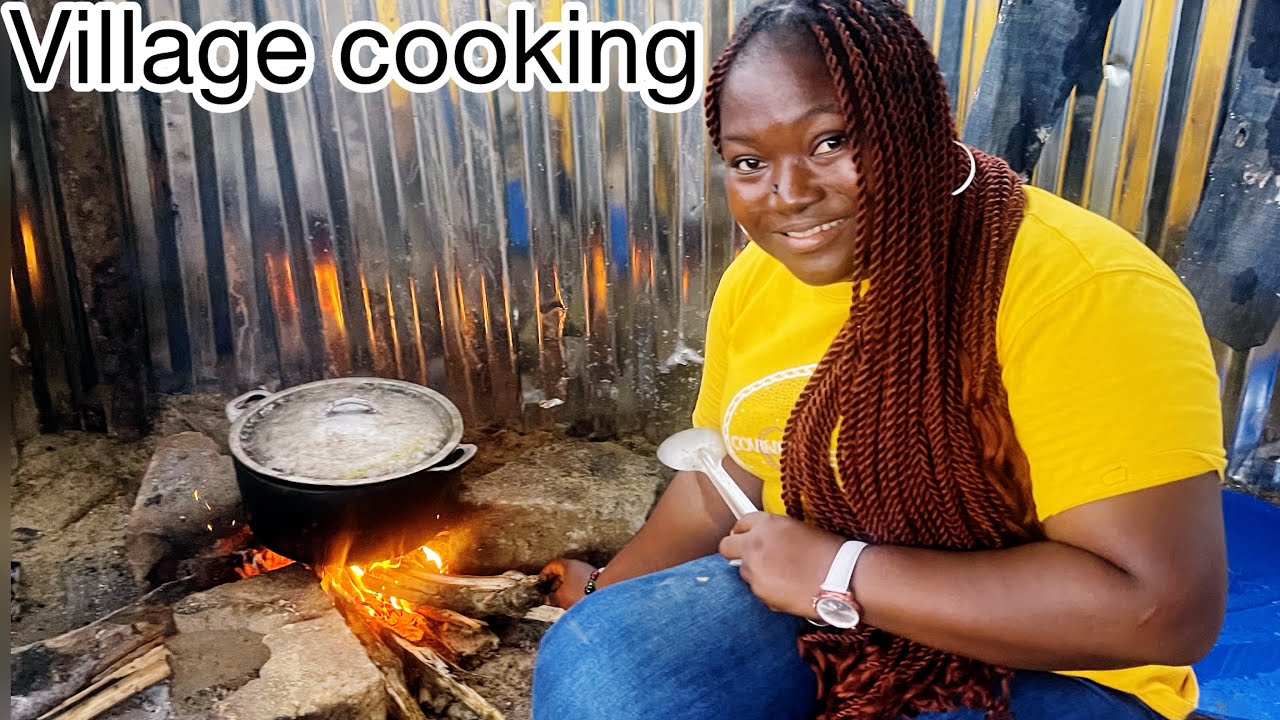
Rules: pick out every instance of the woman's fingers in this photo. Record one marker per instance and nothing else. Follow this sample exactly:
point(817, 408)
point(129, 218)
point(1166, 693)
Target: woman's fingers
point(731, 546)
point(748, 521)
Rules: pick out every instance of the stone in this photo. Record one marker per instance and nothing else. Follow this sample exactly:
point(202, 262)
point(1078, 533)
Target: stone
point(270, 647)
point(188, 506)
point(318, 670)
point(198, 412)
point(567, 499)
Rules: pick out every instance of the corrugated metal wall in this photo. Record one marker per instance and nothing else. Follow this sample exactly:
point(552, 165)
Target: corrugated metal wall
point(538, 255)
point(522, 251)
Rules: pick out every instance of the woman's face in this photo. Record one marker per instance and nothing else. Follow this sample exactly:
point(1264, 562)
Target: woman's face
point(789, 168)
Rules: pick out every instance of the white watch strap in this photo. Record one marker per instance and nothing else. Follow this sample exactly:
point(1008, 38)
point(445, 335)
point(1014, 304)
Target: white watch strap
point(842, 567)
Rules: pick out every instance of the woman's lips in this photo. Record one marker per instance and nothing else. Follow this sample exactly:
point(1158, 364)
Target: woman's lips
point(813, 238)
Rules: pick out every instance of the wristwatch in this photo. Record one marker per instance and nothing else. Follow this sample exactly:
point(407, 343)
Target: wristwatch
point(834, 602)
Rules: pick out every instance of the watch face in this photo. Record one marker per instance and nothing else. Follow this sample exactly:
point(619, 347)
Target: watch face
point(837, 612)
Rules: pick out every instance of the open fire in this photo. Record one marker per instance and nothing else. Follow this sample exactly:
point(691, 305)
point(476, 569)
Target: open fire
point(373, 589)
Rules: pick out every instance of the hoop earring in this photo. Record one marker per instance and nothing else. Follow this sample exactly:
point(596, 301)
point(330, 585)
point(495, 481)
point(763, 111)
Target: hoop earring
point(973, 168)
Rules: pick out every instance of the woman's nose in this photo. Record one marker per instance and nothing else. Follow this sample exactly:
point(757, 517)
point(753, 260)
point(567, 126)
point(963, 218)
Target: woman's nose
point(794, 187)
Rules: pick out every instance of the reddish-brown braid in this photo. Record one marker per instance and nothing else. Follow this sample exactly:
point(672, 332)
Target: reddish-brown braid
point(926, 454)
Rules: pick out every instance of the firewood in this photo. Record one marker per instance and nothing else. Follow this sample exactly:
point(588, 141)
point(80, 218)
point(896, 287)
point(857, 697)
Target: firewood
point(511, 594)
point(127, 659)
point(45, 673)
point(129, 686)
point(462, 636)
point(130, 673)
point(383, 657)
point(436, 672)
point(544, 613)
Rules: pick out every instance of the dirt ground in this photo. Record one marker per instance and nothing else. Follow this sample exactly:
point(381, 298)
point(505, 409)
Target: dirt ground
point(71, 495)
point(506, 678)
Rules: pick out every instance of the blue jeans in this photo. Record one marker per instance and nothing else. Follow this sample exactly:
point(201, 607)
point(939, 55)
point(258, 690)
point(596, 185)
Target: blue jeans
point(693, 643)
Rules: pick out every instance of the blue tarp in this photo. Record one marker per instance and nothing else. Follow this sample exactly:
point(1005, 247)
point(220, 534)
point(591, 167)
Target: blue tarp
point(1240, 678)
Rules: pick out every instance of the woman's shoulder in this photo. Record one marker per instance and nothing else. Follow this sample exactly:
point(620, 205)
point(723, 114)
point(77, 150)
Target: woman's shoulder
point(750, 269)
point(1062, 247)
point(1075, 244)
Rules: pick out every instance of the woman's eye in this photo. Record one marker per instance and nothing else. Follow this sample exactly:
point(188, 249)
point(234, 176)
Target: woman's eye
point(747, 164)
point(830, 145)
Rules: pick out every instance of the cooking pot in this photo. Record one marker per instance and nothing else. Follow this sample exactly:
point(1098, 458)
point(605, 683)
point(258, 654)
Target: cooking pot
point(350, 470)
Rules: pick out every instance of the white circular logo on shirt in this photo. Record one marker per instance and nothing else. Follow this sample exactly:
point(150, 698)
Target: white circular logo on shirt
point(755, 419)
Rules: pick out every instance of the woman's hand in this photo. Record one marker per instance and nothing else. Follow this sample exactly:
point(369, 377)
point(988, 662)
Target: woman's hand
point(783, 560)
point(570, 579)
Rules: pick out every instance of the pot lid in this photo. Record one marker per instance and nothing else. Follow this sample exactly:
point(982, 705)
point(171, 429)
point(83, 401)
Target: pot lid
point(348, 431)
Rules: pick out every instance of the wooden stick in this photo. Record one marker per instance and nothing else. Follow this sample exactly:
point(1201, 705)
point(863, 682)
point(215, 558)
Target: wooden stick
point(439, 674)
point(128, 686)
point(383, 657)
point(511, 594)
point(157, 652)
point(460, 635)
point(45, 673)
point(544, 613)
point(128, 659)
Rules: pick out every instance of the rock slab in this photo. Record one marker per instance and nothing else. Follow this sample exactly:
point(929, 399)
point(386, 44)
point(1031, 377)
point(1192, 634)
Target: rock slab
point(572, 499)
point(188, 506)
point(270, 647)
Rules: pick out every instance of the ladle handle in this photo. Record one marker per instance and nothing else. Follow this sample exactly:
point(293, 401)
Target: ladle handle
point(733, 495)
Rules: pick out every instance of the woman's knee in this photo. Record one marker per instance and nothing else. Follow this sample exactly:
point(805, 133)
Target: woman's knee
point(579, 663)
point(655, 643)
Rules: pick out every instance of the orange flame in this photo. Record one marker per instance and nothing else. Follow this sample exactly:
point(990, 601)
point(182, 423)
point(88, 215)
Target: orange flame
point(353, 581)
point(597, 285)
point(599, 281)
point(417, 330)
point(395, 333)
point(331, 316)
point(379, 353)
point(284, 297)
point(261, 560)
point(29, 247)
point(15, 317)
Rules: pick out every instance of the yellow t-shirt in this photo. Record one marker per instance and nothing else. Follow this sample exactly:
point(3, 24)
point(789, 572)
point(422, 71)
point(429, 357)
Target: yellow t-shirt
point(1109, 375)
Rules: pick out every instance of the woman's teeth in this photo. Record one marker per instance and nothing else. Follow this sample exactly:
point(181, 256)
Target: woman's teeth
point(814, 230)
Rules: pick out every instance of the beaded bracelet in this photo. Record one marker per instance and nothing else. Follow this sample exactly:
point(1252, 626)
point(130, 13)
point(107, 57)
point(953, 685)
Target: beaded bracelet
point(591, 581)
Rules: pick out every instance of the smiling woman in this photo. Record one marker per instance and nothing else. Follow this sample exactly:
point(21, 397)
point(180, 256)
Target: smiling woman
point(997, 481)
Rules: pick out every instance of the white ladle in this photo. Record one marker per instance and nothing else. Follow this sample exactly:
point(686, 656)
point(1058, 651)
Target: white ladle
point(702, 450)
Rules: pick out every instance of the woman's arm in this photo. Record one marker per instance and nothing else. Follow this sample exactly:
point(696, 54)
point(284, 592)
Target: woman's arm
point(1135, 579)
point(688, 522)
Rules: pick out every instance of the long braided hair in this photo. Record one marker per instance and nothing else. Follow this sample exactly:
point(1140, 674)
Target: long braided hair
point(925, 453)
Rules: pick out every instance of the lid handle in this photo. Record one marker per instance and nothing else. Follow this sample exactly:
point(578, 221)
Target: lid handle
point(346, 405)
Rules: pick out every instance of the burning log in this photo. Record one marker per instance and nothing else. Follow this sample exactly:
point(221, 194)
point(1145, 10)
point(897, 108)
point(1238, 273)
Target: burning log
point(439, 678)
point(386, 659)
point(461, 636)
point(511, 594)
point(544, 613)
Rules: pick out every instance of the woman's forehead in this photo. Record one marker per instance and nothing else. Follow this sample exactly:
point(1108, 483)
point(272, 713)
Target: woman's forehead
point(775, 79)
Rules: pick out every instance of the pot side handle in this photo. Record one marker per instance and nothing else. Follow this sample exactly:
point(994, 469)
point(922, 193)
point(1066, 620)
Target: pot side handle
point(245, 402)
point(463, 452)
